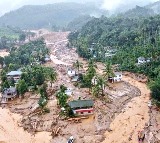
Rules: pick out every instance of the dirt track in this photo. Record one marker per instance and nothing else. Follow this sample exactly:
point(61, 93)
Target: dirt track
point(127, 124)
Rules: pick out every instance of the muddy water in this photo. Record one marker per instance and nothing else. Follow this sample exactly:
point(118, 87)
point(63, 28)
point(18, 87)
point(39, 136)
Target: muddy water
point(10, 132)
point(132, 119)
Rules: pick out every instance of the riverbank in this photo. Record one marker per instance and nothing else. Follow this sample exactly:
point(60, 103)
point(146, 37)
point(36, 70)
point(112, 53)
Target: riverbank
point(11, 132)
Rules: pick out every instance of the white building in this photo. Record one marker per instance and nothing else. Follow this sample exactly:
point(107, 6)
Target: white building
point(71, 73)
point(142, 60)
point(117, 77)
point(94, 80)
point(69, 92)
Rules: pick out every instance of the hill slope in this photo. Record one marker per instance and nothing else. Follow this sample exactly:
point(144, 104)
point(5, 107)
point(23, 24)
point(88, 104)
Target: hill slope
point(59, 14)
point(155, 7)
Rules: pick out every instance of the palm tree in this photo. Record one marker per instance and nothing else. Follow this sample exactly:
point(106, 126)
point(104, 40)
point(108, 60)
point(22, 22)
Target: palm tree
point(62, 97)
point(53, 77)
point(108, 71)
point(91, 72)
point(95, 90)
point(101, 82)
point(77, 65)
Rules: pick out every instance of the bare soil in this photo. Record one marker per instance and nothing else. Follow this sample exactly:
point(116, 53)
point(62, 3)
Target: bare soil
point(117, 117)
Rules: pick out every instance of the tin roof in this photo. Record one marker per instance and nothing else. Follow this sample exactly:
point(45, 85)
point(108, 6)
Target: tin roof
point(13, 73)
point(81, 103)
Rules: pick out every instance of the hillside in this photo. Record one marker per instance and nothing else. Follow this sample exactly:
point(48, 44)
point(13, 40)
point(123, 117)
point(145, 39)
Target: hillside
point(38, 16)
point(155, 7)
point(10, 32)
point(78, 22)
point(139, 12)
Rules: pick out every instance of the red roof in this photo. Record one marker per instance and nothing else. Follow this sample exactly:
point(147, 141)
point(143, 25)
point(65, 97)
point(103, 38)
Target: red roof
point(84, 110)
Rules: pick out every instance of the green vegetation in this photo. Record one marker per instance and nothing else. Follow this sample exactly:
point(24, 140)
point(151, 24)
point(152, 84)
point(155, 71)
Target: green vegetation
point(124, 40)
point(10, 32)
point(10, 36)
point(53, 16)
point(62, 97)
point(28, 58)
point(78, 23)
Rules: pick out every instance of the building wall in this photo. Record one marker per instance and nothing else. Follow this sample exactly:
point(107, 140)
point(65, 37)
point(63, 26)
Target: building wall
point(71, 73)
point(83, 112)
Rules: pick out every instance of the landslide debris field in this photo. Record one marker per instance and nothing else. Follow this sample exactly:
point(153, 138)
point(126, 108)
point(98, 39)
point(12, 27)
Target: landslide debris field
point(116, 119)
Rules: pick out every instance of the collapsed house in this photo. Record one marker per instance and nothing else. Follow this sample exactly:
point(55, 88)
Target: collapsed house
point(9, 94)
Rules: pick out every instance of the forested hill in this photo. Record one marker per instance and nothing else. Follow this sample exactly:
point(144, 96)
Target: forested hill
point(56, 15)
point(79, 22)
point(155, 7)
point(139, 12)
point(121, 41)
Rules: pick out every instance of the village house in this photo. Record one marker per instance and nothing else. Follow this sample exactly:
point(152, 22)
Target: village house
point(9, 94)
point(142, 60)
point(116, 78)
point(16, 75)
point(82, 107)
point(71, 73)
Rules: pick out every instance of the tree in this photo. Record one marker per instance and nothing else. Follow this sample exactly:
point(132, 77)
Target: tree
point(95, 90)
point(101, 82)
point(155, 91)
point(43, 93)
point(50, 74)
point(63, 88)
point(22, 37)
point(62, 98)
point(1, 61)
point(77, 65)
point(22, 87)
point(108, 72)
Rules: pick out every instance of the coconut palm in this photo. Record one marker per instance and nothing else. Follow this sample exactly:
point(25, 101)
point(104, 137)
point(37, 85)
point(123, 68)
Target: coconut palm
point(108, 71)
point(77, 65)
point(52, 77)
point(102, 83)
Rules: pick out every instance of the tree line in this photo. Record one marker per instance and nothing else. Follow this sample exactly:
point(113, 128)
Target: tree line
point(131, 38)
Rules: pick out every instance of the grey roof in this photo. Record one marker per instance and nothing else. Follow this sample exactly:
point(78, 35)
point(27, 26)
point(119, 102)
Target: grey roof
point(75, 78)
point(81, 103)
point(9, 92)
point(141, 58)
point(13, 73)
point(117, 73)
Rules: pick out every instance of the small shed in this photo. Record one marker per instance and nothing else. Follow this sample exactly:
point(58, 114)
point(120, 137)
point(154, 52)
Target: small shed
point(9, 93)
point(82, 107)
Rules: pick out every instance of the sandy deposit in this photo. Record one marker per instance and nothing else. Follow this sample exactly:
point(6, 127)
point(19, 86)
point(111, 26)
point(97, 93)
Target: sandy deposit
point(10, 132)
point(132, 119)
point(3, 53)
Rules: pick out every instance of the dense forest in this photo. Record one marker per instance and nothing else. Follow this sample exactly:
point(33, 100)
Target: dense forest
point(122, 40)
point(27, 59)
point(54, 16)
